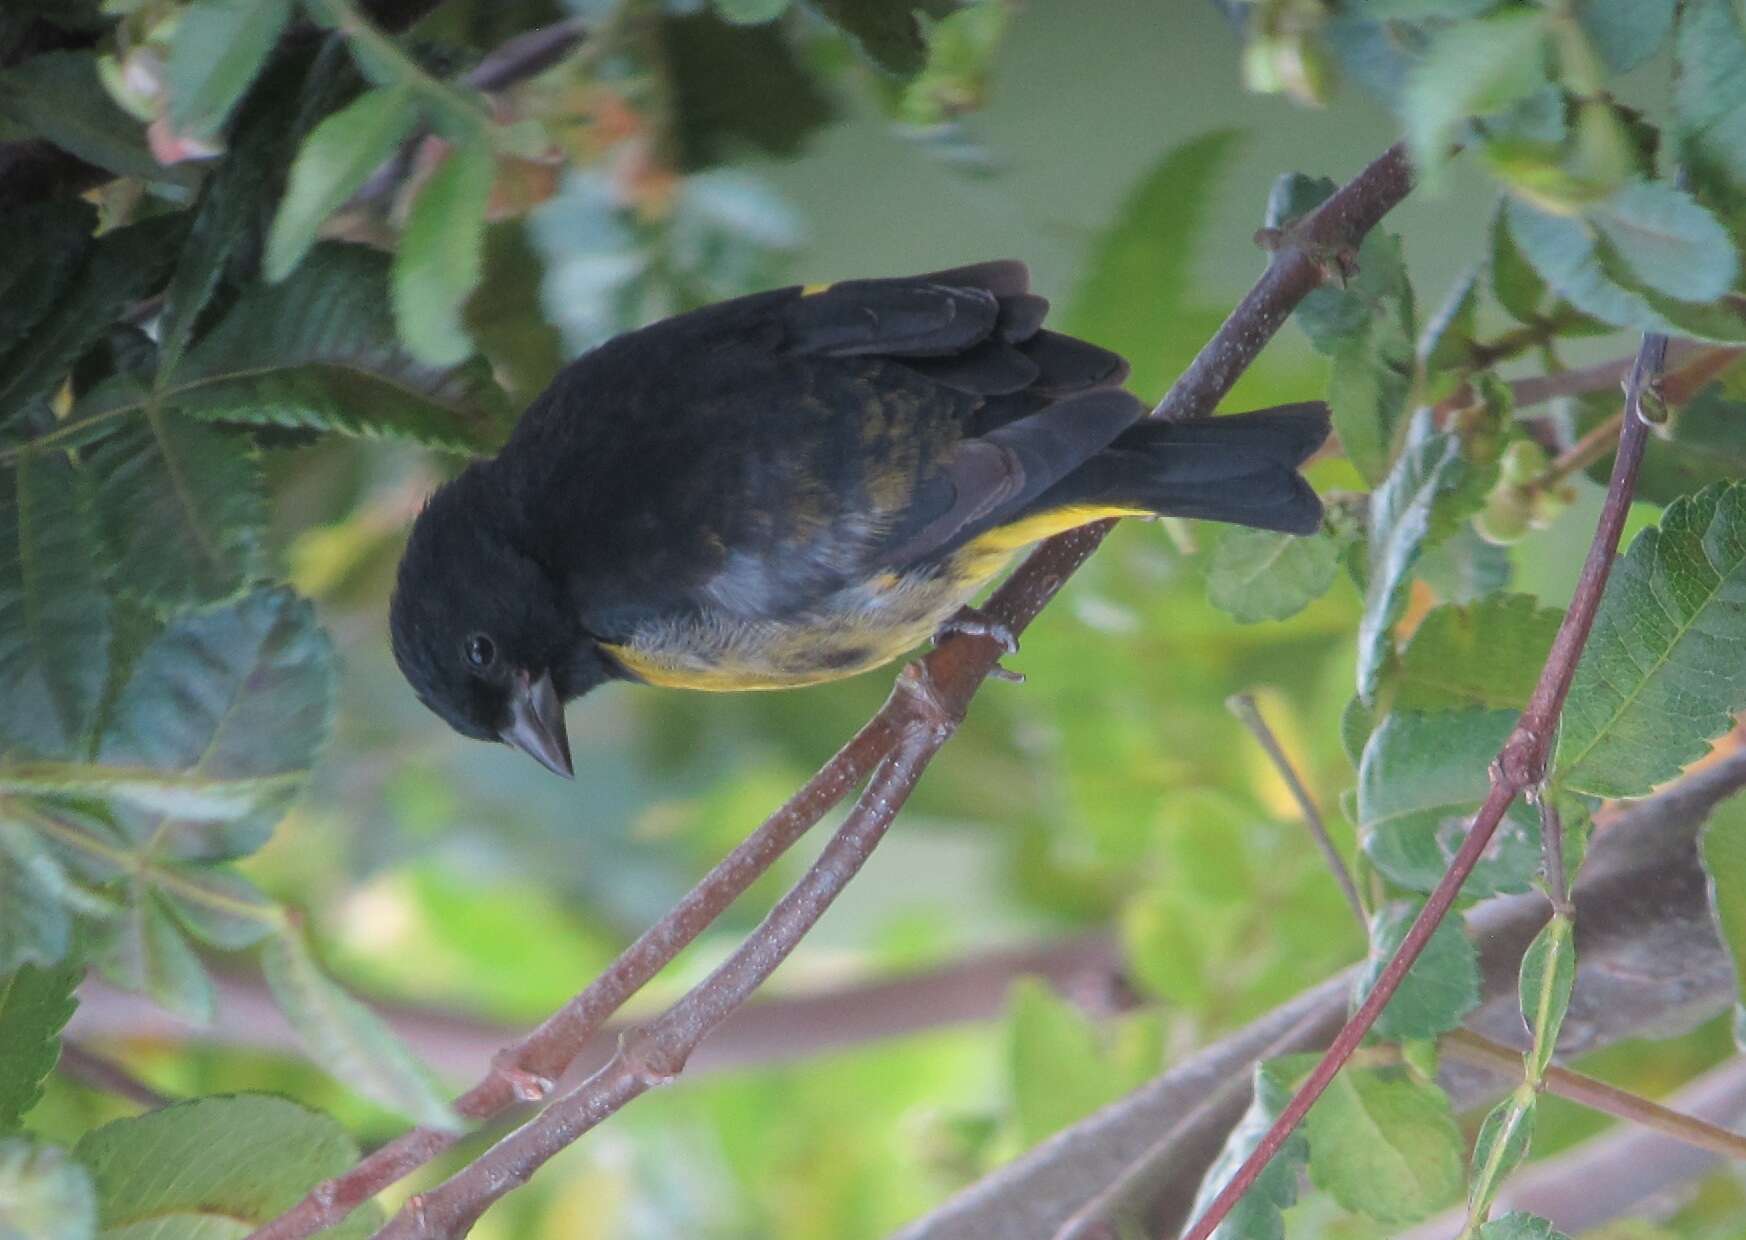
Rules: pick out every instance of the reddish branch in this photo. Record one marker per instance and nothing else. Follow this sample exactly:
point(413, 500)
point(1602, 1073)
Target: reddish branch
point(948, 678)
point(1519, 766)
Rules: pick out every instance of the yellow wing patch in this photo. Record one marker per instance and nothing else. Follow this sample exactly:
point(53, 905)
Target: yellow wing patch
point(983, 556)
point(811, 290)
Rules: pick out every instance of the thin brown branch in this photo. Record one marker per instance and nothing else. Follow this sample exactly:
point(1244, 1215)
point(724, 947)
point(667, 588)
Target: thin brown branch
point(1599, 1096)
point(954, 672)
point(104, 1075)
point(1248, 713)
point(1520, 765)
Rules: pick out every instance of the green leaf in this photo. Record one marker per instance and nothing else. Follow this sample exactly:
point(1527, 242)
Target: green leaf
point(1261, 575)
point(216, 904)
point(886, 32)
point(335, 159)
point(147, 952)
point(346, 1038)
point(1414, 10)
point(44, 1195)
point(215, 1168)
point(1503, 1142)
point(1292, 196)
point(1661, 675)
point(1060, 1067)
point(504, 313)
point(1625, 35)
point(1437, 992)
point(1256, 1216)
point(1514, 282)
point(751, 12)
point(1703, 441)
point(1446, 344)
point(219, 47)
point(181, 509)
point(58, 96)
point(1420, 780)
point(440, 255)
point(1428, 492)
point(1472, 69)
point(1709, 94)
point(1140, 274)
point(961, 52)
point(1548, 976)
point(35, 1005)
point(1518, 1225)
point(738, 87)
point(1389, 1149)
point(1464, 567)
point(239, 695)
point(34, 277)
point(1724, 857)
point(35, 924)
point(54, 615)
point(1669, 242)
point(1488, 654)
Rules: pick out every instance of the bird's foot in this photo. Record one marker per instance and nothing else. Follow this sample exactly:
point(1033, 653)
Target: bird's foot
point(969, 622)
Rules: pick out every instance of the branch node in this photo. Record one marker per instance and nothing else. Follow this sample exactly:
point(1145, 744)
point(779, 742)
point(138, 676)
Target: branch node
point(926, 703)
point(526, 1086)
point(647, 1060)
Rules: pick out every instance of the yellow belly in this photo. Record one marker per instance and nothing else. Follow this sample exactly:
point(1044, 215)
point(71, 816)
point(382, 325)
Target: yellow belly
point(855, 630)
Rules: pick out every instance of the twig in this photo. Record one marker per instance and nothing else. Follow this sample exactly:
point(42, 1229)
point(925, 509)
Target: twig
point(954, 670)
point(103, 1074)
point(1248, 713)
point(1599, 1096)
point(656, 1054)
point(526, 54)
point(1520, 765)
point(1552, 857)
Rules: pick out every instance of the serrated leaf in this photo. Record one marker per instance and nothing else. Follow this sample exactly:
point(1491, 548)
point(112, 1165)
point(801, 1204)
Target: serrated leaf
point(35, 1005)
point(1472, 68)
point(1139, 273)
point(1724, 857)
point(886, 32)
point(181, 508)
point(58, 96)
point(1261, 575)
point(35, 925)
point(1485, 654)
point(1709, 92)
point(1421, 779)
point(240, 694)
point(1661, 675)
point(1430, 489)
point(1547, 977)
point(219, 47)
point(44, 1194)
point(1437, 992)
point(1257, 1214)
point(146, 952)
point(334, 161)
point(1505, 1136)
point(54, 614)
point(346, 1038)
point(439, 258)
point(1389, 1149)
point(1519, 1225)
point(215, 1168)
point(1670, 243)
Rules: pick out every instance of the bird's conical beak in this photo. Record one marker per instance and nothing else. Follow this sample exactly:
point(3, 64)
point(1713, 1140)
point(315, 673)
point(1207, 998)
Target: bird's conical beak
point(536, 723)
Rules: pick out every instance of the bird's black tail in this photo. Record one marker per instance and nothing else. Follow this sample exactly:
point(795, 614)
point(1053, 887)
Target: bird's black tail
point(1242, 469)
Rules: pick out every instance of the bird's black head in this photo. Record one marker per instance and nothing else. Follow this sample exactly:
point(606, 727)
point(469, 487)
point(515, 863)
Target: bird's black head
point(482, 631)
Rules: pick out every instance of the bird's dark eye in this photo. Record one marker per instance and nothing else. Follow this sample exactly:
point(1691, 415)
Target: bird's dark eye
point(480, 651)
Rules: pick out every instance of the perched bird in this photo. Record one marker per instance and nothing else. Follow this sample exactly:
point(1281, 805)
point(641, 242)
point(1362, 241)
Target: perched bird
point(793, 487)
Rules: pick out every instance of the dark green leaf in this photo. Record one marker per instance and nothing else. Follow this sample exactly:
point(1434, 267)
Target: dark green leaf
point(1709, 94)
point(1661, 675)
point(346, 1038)
point(219, 47)
point(1465, 567)
point(1440, 988)
point(35, 925)
point(1294, 195)
point(239, 695)
point(738, 87)
point(1702, 442)
point(751, 12)
point(1503, 1142)
point(54, 615)
point(504, 313)
point(181, 508)
point(1487, 654)
point(1547, 978)
point(44, 1195)
point(1422, 501)
point(34, 277)
point(1257, 1214)
point(336, 157)
point(1421, 778)
point(35, 1005)
point(1387, 1148)
point(1447, 341)
point(1140, 272)
point(1415, 10)
point(146, 951)
point(1669, 242)
point(215, 1167)
point(887, 32)
point(58, 96)
point(440, 254)
point(1261, 575)
point(1473, 68)
point(1514, 282)
point(1724, 856)
point(1625, 34)
point(1517, 1225)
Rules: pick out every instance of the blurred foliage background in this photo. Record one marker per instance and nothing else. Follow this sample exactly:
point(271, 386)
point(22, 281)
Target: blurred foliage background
point(1113, 147)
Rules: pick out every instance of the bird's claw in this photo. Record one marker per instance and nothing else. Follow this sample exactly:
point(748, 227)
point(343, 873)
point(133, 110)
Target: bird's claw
point(970, 622)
